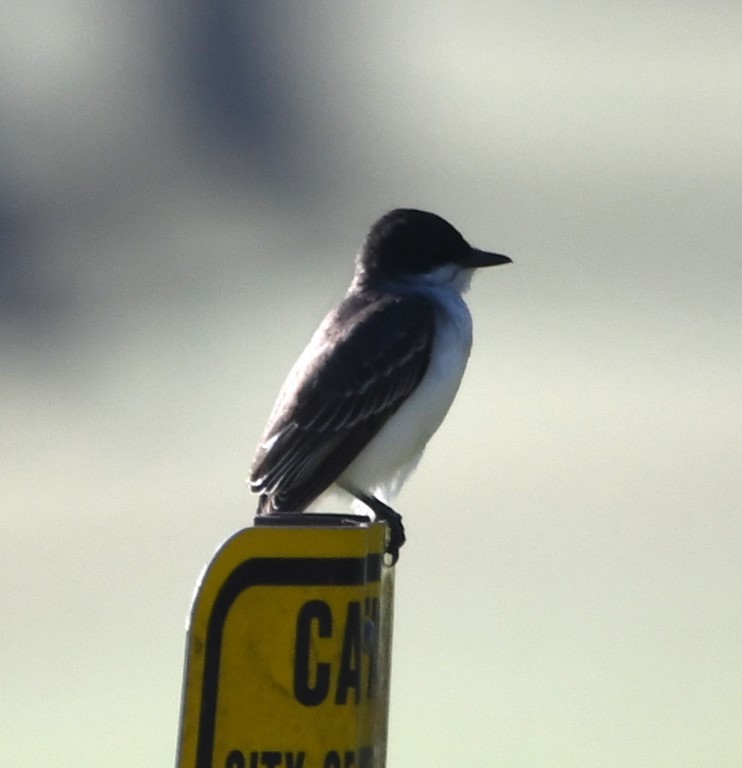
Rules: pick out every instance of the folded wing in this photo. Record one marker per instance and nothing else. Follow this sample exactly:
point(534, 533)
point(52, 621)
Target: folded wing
point(366, 358)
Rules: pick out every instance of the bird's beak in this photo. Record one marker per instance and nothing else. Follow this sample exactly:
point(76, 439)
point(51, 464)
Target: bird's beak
point(479, 258)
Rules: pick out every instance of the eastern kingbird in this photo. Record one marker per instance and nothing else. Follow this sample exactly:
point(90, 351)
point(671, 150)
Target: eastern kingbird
point(379, 374)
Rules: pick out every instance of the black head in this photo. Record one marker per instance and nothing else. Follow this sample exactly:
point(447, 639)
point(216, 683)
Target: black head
point(407, 242)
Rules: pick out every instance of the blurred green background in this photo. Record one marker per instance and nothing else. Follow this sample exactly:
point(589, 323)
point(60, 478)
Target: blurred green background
point(182, 189)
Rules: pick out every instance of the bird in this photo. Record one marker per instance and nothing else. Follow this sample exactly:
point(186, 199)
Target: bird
point(377, 377)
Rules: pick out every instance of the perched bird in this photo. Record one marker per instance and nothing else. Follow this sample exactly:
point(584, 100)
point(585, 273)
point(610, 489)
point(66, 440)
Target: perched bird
point(379, 374)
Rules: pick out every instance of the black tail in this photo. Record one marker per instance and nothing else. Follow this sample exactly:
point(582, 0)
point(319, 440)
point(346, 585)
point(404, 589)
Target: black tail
point(265, 505)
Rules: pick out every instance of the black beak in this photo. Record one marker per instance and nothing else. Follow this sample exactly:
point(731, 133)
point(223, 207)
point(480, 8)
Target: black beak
point(479, 258)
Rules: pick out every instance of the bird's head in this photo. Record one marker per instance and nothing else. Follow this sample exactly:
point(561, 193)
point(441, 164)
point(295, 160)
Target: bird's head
point(406, 243)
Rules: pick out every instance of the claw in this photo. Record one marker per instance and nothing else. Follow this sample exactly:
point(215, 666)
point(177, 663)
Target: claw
point(393, 519)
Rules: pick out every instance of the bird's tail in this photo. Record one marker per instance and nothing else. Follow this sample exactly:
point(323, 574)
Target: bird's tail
point(265, 505)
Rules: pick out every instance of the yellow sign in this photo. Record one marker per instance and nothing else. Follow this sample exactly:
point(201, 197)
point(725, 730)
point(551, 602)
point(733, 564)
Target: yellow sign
point(289, 649)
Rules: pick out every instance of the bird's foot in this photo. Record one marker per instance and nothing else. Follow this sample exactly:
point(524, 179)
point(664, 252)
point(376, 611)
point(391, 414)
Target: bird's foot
point(393, 519)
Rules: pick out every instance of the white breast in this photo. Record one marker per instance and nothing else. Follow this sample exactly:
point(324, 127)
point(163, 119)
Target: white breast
point(394, 452)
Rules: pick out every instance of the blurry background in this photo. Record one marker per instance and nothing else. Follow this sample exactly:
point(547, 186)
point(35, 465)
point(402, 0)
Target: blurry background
point(182, 189)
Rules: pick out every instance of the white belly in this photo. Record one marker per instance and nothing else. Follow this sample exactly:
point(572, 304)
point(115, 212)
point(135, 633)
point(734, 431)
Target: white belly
point(394, 452)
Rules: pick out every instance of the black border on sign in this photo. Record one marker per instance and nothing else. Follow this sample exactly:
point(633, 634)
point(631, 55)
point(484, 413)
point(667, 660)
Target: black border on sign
point(266, 572)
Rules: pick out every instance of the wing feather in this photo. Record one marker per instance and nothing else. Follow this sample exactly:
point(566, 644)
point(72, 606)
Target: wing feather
point(366, 358)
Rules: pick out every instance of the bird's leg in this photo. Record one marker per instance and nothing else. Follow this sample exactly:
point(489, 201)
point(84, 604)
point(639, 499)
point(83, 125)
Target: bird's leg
point(393, 519)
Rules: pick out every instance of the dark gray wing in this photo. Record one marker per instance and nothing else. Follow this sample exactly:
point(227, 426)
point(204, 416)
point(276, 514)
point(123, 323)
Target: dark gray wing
point(364, 361)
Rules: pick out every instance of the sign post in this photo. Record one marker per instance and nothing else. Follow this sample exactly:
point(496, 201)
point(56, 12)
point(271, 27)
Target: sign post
point(289, 648)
